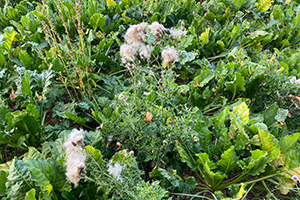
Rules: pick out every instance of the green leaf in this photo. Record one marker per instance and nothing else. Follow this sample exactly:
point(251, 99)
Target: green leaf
point(204, 77)
point(270, 113)
point(242, 112)
point(288, 142)
point(97, 21)
point(77, 119)
point(186, 41)
point(18, 178)
point(186, 57)
point(238, 3)
point(30, 195)
point(281, 114)
point(95, 154)
point(228, 160)
point(185, 157)
point(255, 164)
point(264, 5)
point(40, 171)
point(236, 85)
point(214, 179)
point(3, 179)
point(203, 159)
point(25, 88)
point(238, 132)
point(10, 36)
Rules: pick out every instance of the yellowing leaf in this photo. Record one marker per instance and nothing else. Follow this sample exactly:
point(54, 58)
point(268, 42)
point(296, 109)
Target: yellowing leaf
point(204, 37)
point(242, 112)
point(241, 192)
point(286, 182)
point(264, 5)
point(148, 117)
point(111, 3)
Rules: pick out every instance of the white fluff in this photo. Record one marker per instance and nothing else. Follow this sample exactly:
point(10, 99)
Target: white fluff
point(75, 156)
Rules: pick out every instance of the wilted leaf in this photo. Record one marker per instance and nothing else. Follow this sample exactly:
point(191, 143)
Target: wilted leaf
point(148, 117)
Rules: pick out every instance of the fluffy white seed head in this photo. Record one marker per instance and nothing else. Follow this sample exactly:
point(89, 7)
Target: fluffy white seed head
point(127, 52)
point(75, 156)
point(157, 29)
point(295, 81)
point(115, 170)
point(145, 51)
point(136, 33)
point(169, 55)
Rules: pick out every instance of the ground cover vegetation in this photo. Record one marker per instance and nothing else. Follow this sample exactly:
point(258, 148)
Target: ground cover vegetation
point(148, 99)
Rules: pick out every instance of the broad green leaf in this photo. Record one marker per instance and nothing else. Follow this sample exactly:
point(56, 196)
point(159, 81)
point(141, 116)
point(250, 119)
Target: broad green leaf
point(288, 142)
point(3, 179)
point(203, 159)
point(237, 192)
point(204, 37)
point(263, 5)
point(26, 89)
point(40, 171)
point(236, 85)
point(77, 119)
point(186, 41)
point(255, 164)
point(238, 3)
point(213, 179)
point(228, 160)
point(97, 21)
point(18, 178)
point(269, 115)
point(25, 58)
point(10, 36)
point(219, 122)
point(242, 112)
point(175, 180)
point(30, 195)
point(186, 57)
point(2, 59)
point(204, 77)
point(281, 114)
